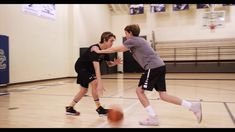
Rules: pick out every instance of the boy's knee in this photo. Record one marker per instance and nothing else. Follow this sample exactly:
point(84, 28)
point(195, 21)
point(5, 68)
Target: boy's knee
point(84, 90)
point(94, 82)
point(163, 96)
point(139, 90)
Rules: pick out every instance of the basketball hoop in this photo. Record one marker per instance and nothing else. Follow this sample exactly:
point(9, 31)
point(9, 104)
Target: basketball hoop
point(212, 9)
point(213, 19)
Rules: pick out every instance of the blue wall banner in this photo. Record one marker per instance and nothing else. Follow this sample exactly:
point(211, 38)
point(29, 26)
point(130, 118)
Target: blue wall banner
point(4, 60)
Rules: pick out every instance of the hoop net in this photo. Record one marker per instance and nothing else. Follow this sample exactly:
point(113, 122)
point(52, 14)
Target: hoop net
point(212, 27)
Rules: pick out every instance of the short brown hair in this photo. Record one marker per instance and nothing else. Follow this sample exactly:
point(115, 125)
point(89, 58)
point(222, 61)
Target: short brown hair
point(106, 36)
point(134, 29)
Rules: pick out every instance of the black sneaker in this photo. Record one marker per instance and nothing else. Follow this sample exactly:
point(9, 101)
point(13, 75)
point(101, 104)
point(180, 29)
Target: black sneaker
point(71, 111)
point(101, 111)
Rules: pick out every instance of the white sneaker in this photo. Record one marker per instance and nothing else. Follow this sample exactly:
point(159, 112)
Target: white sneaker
point(150, 121)
point(196, 108)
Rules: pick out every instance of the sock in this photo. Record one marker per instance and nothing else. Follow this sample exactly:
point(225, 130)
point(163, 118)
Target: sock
point(150, 111)
point(73, 103)
point(186, 104)
point(97, 102)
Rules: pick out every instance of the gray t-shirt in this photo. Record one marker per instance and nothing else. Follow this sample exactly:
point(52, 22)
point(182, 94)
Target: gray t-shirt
point(143, 53)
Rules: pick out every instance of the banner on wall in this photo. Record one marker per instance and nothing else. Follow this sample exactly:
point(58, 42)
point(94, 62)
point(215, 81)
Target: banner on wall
point(157, 8)
point(180, 7)
point(4, 60)
point(136, 9)
point(43, 10)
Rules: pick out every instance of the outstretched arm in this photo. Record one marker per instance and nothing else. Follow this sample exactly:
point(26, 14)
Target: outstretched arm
point(120, 48)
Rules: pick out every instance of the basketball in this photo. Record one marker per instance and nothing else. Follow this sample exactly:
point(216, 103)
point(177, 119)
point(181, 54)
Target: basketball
point(115, 114)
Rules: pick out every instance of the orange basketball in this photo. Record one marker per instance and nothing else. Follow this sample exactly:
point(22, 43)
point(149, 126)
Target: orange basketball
point(115, 114)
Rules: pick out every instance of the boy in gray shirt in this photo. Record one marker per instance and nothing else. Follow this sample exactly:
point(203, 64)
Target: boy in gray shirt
point(154, 75)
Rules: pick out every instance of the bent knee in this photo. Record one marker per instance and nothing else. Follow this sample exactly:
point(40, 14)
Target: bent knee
point(139, 90)
point(94, 82)
point(84, 90)
point(163, 96)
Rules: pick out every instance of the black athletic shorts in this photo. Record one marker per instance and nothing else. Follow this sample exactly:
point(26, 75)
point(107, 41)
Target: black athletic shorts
point(153, 78)
point(84, 77)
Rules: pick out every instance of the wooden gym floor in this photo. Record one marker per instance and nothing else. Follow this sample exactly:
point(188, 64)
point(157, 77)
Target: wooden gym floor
point(42, 104)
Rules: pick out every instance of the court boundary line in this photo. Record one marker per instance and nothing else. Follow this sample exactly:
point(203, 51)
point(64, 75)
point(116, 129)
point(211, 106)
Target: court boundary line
point(229, 112)
point(206, 79)
point(89, 96)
